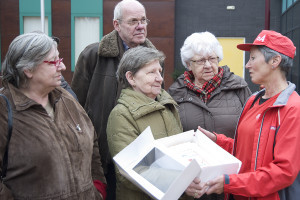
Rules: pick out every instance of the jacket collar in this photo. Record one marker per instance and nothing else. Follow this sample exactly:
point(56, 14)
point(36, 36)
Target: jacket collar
point(283, 97)
point(111, 45)
point(140, 105)
point(22, 102)
point(229, 80)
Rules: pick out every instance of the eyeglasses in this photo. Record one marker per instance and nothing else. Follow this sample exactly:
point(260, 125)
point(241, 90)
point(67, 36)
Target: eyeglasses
point(135, 22)
point(56, 63)
point(211, 60)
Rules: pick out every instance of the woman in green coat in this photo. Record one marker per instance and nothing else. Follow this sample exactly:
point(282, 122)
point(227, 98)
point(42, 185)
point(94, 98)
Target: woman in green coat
point(142, 103)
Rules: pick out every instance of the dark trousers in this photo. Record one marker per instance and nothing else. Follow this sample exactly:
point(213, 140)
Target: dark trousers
point(111, 182)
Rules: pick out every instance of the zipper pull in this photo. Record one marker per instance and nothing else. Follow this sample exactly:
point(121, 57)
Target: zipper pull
point(78, 128)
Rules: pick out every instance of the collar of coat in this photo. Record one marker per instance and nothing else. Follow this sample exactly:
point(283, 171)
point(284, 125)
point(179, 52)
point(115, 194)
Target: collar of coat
point(22, 102)
point(140, 105)
point(283, 97)
point(229, 81)
point(111, 45)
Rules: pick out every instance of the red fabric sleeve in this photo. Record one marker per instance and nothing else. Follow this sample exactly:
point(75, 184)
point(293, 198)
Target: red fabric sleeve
point(101, 187)
point(225, 142)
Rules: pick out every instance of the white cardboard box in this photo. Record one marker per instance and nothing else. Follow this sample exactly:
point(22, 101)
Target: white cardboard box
point(174, 165)
point(213, 160)
point(144, 150)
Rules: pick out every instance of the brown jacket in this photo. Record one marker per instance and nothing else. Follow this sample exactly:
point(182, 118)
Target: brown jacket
point(95, 84)
point(49, 159)
point(220, 113)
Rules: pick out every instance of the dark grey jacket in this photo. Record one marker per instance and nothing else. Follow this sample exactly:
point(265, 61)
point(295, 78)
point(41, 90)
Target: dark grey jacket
point(220, 113)
point(95, 84)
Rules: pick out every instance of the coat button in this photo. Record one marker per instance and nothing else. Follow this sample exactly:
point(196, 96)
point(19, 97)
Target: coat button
point(181, 99)
point(191, 99)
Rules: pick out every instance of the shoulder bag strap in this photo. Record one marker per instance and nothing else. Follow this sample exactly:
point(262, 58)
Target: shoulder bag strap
point(10, 120)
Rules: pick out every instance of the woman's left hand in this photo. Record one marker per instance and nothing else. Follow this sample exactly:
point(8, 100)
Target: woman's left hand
point(210, 135)
point(215, 186)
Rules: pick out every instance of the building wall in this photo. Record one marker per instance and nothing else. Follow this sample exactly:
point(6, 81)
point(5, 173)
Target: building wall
point(61, 28)
point(247, 20)
point(171, 22)
point(290, 26)
point(160, 30)
point(9, 23)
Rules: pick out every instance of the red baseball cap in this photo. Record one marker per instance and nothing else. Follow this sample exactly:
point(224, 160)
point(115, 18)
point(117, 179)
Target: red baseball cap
point(273, 40)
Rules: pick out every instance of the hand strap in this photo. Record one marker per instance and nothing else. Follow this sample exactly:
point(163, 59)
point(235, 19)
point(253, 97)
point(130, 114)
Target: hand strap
point(10, 120)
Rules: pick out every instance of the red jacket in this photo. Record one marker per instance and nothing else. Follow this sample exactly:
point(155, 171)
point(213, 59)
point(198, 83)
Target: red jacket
point(275, 159)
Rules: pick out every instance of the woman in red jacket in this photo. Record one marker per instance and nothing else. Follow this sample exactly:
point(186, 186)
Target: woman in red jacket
point(267, 136)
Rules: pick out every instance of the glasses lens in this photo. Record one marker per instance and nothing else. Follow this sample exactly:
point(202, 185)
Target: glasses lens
point(135, 22)
point(213, 59)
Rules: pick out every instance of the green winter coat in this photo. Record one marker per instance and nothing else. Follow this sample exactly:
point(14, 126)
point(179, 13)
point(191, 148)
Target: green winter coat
point(131, 116)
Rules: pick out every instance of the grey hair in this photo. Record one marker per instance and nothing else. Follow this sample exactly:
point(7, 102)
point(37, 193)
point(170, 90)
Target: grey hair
point(25, 52)
point(286, 62)
point(136, 58)
point(202, 44)
point(119, 7)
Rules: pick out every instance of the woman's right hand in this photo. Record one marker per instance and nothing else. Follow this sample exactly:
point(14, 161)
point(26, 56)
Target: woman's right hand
point(210, 135)
point(196, 189)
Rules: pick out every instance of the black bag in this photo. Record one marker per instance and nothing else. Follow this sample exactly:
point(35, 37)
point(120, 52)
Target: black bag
point(9, 123)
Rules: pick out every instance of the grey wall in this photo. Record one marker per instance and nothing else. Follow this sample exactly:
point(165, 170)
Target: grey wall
point(290, 26)
point(247, 20)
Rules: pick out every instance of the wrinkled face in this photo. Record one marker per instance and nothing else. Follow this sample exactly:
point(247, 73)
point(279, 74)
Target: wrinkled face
point(47, 75)
point(132, 34)
point(148, 80)
point(204, 68)
point(259, 70)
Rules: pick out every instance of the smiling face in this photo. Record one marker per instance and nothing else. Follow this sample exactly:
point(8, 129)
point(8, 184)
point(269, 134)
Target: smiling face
point(259, 70)
point(204, 68)
point(132, 35)
point(147, 80)
point(46, 75)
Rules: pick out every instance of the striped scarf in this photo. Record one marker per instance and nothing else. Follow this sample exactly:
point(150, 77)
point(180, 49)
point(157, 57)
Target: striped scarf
point(208, 87)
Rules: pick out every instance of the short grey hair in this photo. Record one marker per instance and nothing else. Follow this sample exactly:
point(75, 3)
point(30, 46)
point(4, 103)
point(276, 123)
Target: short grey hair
point(134, 59)
point(202, 44)
point(286, 62)
point(119, 7)
point(25, 52)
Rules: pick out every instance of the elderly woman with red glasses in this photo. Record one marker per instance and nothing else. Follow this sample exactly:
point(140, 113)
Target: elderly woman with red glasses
point(52, 152)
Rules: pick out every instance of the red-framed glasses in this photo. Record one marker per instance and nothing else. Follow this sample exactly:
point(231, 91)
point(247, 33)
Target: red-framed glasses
point(56, 63)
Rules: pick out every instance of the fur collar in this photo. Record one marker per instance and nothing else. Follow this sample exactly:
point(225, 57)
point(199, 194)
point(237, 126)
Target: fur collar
point(111, 45)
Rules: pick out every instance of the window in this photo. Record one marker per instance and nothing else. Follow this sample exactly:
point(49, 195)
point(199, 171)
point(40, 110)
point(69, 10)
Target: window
point(289, 3)
point(33, 24)
point(286, 4)
point(30, 16)
point(86, 26)
point(283, 6)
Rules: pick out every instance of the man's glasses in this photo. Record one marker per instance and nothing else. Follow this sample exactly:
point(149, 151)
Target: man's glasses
point(135, 22)
point(211, 60)
point(56, 63)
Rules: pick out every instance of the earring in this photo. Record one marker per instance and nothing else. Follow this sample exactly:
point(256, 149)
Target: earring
point(273, 67)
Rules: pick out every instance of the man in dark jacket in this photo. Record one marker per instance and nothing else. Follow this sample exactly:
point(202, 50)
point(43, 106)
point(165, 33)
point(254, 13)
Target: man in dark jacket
point(94, 80)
